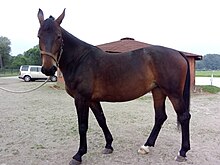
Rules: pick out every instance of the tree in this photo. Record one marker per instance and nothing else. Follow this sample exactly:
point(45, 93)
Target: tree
point(212, 61)
point(17, 61)
point(5, 50)
point(209, 62)
point(29, 57)
point(32, 56)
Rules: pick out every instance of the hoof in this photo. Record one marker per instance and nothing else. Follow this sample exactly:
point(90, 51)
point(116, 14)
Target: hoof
point(180, 158)
point(144, 150)
point(74, 162)
point(107, 151)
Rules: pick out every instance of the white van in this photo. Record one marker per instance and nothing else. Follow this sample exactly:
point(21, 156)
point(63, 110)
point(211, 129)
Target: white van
point(32, 73)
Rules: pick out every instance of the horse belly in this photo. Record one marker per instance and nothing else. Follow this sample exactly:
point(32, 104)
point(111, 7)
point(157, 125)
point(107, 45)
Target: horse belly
point(125, 80)
point(126, 92)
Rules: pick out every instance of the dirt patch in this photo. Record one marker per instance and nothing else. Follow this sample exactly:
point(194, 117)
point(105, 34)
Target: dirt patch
point(40, 128)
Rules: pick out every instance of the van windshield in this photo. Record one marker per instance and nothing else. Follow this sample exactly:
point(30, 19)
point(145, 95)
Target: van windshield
point(24, 68)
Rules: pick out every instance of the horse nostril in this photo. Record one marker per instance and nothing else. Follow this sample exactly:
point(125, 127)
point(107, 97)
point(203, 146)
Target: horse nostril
point(49, 72)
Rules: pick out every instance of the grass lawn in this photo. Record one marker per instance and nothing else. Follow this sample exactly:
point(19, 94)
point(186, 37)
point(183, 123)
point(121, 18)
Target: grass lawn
point(215, 73)
point(209, 88)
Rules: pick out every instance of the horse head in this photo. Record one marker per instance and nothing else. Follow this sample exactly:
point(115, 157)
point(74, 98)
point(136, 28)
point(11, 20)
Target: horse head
point(50, 42)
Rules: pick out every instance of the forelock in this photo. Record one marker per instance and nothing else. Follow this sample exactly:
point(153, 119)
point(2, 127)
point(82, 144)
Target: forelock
point(48, 24)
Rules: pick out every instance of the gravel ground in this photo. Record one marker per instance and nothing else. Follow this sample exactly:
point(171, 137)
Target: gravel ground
point(40, 128)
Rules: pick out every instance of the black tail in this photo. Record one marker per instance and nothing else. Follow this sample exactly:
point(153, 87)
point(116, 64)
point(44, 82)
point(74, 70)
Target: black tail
point(186, 91)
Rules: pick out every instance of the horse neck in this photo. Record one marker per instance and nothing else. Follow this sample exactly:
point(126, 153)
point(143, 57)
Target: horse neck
point(73, 49)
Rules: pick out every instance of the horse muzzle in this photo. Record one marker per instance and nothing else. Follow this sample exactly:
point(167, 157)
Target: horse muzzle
point(49, 72)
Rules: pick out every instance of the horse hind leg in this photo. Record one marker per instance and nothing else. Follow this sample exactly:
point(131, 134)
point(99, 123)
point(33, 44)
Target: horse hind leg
point(100, 117)
point(183, 117)
point(160, 117)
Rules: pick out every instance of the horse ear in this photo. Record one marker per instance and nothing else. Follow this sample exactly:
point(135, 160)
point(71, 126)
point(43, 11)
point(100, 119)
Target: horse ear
point(60, 18)
point(40, 16)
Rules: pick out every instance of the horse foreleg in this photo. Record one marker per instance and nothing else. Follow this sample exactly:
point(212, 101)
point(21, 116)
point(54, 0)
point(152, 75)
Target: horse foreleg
point(160, 116)
point(82, 108)
point(100, 117)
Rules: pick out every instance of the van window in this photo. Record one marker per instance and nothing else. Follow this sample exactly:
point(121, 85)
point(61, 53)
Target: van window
point(39, 69)
point(33, 69)
point(24, 68)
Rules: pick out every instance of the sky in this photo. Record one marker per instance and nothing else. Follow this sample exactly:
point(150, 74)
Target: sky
point(187, 25)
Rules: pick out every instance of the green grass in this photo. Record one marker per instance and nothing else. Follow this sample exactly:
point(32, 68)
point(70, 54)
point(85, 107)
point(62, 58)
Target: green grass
point(8, 75)
point(9, 72)
point(215, 73)
point(209, 89)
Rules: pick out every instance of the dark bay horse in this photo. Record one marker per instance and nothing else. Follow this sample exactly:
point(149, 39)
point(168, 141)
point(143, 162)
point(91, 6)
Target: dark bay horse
point(92, 76)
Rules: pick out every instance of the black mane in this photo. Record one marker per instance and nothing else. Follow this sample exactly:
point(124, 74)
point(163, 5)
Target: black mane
point(51, 17)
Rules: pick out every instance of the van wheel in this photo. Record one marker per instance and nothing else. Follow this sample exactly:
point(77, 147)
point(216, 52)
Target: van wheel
point(27, 78)
point(53, 78)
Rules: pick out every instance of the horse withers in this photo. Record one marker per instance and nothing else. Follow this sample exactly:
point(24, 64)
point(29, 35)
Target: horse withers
point(92, 76)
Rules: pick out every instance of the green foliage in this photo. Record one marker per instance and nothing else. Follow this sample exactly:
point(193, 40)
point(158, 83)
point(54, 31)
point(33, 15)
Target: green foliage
point(18, 60)
point(209, 62)
point(5, 50)
point(30, 57)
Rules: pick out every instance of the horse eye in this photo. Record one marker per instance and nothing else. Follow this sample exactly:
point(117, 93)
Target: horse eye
point(58, 37)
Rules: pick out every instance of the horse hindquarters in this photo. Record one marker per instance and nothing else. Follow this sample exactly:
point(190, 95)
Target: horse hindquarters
point(181, 105)
point(173, 81)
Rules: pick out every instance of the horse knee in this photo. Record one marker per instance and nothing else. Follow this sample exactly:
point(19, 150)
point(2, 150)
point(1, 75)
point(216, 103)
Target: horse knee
point(184, 117)
point(164, 118)
point(161, 118)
